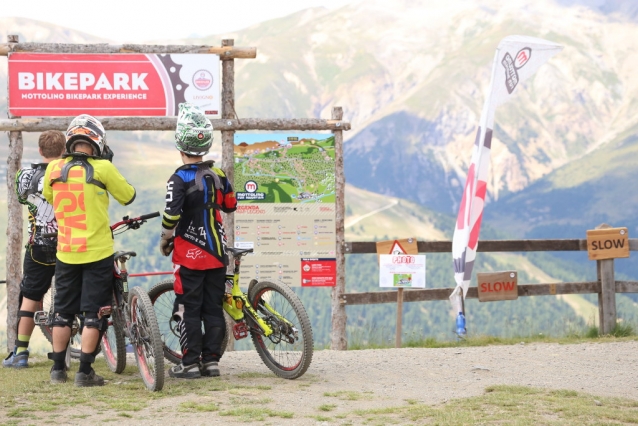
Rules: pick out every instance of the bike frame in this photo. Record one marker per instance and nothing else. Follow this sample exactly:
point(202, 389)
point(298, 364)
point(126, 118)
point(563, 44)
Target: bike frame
point(120, 271)
point(237, 305)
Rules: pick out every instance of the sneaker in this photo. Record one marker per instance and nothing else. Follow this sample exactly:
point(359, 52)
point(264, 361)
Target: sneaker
point(83, 380)
point(209, 369)
point(181, 371)
point(14, 360)
point(58, 376)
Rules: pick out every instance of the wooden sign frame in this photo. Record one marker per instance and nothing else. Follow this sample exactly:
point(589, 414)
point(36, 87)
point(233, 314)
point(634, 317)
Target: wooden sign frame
point(405, 246)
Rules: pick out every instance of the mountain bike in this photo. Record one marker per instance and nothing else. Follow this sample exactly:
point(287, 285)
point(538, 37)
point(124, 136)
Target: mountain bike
point(271, 313)
point(132, 317)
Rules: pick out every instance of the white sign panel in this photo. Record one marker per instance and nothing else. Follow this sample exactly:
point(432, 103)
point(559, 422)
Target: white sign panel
point(404, 270)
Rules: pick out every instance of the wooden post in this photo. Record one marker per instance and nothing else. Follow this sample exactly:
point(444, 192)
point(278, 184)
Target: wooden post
point(228, 147)
point(397, 342)
point(339, 319)
point(14, 230)
point(607, 295)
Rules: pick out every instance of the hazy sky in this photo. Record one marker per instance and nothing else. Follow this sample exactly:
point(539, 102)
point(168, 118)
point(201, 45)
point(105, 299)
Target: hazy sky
point(143, 20)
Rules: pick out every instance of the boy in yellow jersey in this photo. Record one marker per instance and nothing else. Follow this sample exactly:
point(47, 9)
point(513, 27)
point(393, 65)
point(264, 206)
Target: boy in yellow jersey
point(196, 194)
point(39, 259)
point(78, 187)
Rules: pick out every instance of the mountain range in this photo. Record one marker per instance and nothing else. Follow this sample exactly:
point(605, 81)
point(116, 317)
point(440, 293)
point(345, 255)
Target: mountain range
point(412, 79)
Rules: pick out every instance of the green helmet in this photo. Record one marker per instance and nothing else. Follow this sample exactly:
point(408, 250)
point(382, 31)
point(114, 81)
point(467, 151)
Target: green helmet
point(194, 132)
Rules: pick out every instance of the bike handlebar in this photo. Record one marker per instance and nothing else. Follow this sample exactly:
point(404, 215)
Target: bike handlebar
point(150, 215)
point(131, 223)
point(134, 222)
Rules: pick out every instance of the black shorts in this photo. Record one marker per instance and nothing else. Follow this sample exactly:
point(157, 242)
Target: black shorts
point(38, 270)
point(84, 287)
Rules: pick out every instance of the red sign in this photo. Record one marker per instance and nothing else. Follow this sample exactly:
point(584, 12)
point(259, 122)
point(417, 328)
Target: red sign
point(318, 272)
point(110, 85)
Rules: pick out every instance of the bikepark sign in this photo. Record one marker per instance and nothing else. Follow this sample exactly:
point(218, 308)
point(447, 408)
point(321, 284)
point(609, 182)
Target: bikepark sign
point(47, 85)
point(285, 189)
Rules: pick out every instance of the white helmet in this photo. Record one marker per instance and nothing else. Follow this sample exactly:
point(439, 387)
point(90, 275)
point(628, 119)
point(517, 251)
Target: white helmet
point(85, 128)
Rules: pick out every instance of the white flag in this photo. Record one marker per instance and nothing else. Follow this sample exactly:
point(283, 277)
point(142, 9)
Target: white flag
point(517, 58)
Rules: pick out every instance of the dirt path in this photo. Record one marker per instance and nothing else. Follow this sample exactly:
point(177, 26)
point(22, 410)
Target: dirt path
point(367, 379)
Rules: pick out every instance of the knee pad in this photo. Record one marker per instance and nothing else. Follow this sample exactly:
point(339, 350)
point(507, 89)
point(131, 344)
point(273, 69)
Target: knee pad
point(27, 314)
point(63, 320)
point(92, 321)
point(178, 315)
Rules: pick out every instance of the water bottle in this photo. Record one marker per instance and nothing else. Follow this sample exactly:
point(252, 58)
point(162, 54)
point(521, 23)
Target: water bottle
point(460, 325)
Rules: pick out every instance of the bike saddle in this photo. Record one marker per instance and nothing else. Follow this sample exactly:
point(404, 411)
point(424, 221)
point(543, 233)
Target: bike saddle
point(128, 254)
point(237, 252)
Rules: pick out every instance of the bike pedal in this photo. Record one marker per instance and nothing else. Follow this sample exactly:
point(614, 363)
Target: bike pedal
point(240, 330)
point(41, 317)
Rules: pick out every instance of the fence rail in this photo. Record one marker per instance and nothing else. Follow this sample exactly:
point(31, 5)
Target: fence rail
point(361, 247)
point(606, 286)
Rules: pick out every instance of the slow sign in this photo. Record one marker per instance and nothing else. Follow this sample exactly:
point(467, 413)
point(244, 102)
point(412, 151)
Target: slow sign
point(497, 286)
point(607, 243)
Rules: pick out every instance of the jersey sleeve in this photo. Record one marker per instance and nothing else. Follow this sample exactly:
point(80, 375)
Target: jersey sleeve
point(228, 202)
point(118, 186)
point(47, 190)
point(175, 196)
point(22, 184)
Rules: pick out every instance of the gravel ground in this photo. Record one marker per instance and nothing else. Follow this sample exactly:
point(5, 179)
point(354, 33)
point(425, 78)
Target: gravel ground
point(389, 377)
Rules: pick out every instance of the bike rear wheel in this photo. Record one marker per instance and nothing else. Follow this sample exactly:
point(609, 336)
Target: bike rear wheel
point(74, 348)
point(146, 339)
point(288, 350)
point(113, 344)
point(163, 298)
point(46, 305)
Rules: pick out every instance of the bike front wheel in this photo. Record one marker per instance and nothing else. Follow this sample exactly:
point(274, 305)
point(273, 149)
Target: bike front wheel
point(288, 350)
point(146, 339)
point(113, 344)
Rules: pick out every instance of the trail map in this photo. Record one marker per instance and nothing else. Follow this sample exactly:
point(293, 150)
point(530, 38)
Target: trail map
point(285, 188)
point(292, 169)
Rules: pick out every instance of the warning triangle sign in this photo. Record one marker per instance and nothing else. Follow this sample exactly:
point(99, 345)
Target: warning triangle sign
point(397, 248)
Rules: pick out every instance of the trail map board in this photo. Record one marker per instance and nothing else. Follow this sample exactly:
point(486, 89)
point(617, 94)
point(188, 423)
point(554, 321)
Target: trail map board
point(285, 188)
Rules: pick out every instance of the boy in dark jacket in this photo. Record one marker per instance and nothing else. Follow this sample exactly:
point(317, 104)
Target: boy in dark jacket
point(196, 194)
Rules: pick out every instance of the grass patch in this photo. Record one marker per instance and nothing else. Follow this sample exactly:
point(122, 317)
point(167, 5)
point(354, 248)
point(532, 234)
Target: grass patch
point(255, 414)
point(320, 418)
point(255, 375)
point(30, 392)
point(513, 405)
point(622, 332)
point(349, 395)
point(327, 407)
point(248, 400)
point(192, 406)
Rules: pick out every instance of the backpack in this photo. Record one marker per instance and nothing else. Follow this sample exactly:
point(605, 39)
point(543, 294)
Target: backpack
point(213, 182)
point(82, 161)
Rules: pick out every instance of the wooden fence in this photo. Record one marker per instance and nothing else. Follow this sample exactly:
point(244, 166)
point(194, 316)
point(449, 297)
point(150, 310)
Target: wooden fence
point(606, 286)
